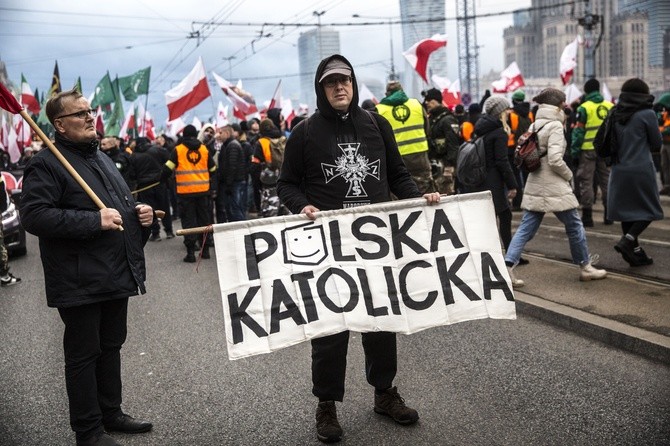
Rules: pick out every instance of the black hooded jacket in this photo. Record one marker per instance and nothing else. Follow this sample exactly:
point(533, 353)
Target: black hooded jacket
point(337, 160)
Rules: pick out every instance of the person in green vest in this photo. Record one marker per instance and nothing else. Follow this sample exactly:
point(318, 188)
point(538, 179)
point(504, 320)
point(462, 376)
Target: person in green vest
point(408, 120)
point(590, 115)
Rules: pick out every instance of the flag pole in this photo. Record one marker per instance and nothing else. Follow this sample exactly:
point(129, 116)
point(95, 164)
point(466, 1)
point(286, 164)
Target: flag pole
point(193, 231)
point(64, 161)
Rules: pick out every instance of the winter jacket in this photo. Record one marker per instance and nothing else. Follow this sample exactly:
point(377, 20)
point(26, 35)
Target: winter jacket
point(82, 263)
point(443, 138)
point(337, 160)
point(548, 188)
point(233, 163)
point(499, 176)
point(632, 193)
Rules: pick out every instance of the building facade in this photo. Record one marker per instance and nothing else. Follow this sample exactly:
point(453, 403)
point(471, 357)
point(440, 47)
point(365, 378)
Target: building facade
point(314, 46)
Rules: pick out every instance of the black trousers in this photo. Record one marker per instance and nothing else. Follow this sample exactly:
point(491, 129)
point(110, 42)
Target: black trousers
point(92, 343)
point(157, 197)
point(329, 363)
point(194, 213)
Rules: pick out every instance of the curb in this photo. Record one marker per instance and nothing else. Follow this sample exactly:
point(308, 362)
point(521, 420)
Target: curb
point(614, 333)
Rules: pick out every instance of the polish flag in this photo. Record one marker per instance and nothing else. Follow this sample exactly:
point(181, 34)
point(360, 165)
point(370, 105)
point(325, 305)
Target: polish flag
point(221, 115)
point(145, 124)
point(510, 80)
point(417, 55)
point(287, 111)
point(275, 102)
point(99, 122)
point(568, 60)
point(572, 93)
point(452, 95)
point(241, 107)
point(441, 83)
point(174, 127)
point(190, 92)
point(364, 94)
point(128, 123)
point(23, 132)
point(13, 145)
point(28, 97)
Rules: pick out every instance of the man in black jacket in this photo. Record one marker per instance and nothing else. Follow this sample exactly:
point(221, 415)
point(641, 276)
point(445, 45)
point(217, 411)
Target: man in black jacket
point(233, 172)
point(342, 134)
point(91, 267)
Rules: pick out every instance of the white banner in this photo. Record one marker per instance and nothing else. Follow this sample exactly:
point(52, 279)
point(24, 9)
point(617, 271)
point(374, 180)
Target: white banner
point(401, 266)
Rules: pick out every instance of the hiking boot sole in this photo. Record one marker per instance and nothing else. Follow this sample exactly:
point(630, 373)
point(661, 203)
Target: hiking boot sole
point(329, 439)
point(403, 422)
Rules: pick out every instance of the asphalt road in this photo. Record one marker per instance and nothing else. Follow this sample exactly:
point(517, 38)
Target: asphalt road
point(486, 382)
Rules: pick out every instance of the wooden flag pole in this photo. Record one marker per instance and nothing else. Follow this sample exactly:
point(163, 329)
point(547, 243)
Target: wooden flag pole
point(64, 161)
point(198, 230)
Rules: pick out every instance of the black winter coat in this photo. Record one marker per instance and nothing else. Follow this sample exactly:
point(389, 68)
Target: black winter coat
point(499, 175)
point(82, 264)
point(233, 163)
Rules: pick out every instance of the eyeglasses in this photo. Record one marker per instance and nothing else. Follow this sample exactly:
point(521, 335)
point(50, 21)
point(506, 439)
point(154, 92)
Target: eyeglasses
point(331, 82)
point(83, 114)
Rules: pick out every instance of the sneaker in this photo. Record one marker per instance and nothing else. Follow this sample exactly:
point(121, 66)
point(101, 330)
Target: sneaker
point(155, 238)
point(390, 403)
point(328, 429)
point(516, 283)
point(588, 272)
point(9, 280)
point(169, 235)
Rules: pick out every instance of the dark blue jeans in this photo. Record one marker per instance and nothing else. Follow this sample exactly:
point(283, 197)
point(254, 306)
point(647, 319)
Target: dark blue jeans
point(235, 199)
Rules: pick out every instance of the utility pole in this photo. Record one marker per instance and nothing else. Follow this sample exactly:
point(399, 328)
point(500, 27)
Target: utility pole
point(468, 50)
point(318, 15)
point(589, 22)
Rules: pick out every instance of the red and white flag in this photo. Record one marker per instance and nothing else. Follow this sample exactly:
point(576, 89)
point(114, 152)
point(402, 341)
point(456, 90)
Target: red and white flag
point(275, 102)
point(99, 122)
point(452, 95)
point(568, 60)
point(190, 92)
point(364, 94)
point(510, 79)
point(417, 55)
point(221, 115)
point(441, 83)
point(241, 107)
point(145, 123)
point(128, 123)
point(13, 145)
point(287, 111)
point(23, 132)
point(28, 98)
point(174, 127)
point(4, 132)
point(572, 93)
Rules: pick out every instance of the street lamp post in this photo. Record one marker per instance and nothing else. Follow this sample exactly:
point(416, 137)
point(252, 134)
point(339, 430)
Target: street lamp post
point(392, 75)
point(318, 15)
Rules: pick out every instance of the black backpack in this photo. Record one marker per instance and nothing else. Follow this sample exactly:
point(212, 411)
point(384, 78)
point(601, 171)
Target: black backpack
point(471, 163)
point(605, 142)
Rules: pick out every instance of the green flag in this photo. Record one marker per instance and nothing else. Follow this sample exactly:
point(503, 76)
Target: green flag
point(136, 84)
point(115, 120)
point(77, 85)
point(104, 92)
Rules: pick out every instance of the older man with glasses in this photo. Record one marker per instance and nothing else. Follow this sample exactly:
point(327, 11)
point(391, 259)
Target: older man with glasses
point(93, 261)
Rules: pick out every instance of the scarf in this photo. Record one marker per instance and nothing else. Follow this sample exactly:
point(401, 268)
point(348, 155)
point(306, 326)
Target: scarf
point(629, 103)
point(85, 148)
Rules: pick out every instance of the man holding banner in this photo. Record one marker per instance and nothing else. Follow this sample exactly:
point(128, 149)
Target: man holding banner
point(343, 157)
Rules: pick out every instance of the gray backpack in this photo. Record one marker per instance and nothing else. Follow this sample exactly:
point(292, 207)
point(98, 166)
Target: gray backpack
point(471, 163)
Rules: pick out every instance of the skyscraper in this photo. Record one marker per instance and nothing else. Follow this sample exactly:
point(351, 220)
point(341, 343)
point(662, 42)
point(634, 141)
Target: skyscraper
point(313, 46)
point(410, 12)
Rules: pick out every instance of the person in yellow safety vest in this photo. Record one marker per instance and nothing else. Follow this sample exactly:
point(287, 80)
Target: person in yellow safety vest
point(590, 115)
point(664, 126)
point(407, 118)
point(519, 120)
point(193, 166)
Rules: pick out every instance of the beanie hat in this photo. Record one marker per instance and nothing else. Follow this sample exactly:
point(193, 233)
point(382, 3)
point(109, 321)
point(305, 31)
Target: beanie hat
point(266, 126)
point(459, 109)
point(635, 85)
point(664, 100)
point(518, 95)
point(335, 66)
point(433, 94)
point(190, 131)
point(551, 96)
point(591, 85)
point(495, 105)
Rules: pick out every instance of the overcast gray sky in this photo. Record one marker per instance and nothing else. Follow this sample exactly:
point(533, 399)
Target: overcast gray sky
point(123, 36)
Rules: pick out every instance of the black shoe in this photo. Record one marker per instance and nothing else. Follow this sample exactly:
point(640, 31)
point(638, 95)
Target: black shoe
point(9, 280)
point(190, 258)
point(101, 439)
point(169, 235)
point(205, 253)
point(523, 261)
point(626, 248)
point(641, 257)
point(127, 424)
point(390, 403)
point(328, 429)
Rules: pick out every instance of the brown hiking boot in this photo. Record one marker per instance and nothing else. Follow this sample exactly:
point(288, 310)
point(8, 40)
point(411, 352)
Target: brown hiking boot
point(328, 428)
point(390, 403)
